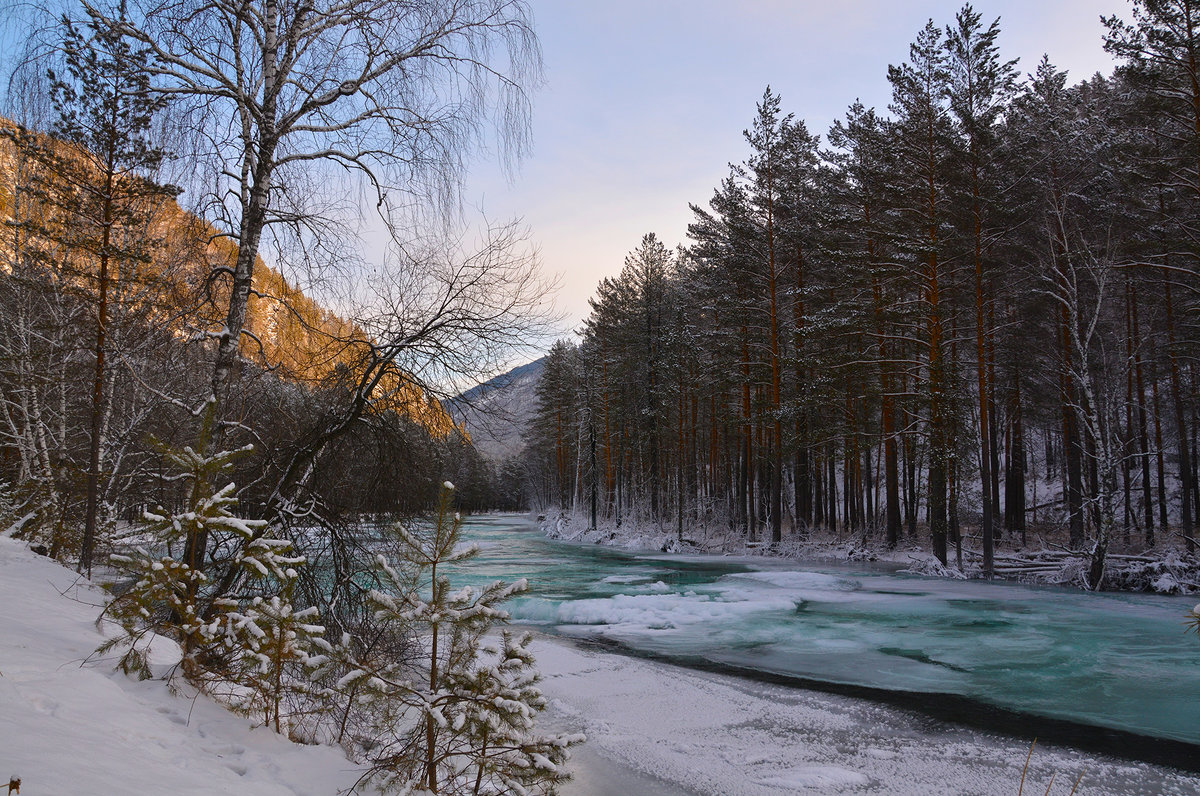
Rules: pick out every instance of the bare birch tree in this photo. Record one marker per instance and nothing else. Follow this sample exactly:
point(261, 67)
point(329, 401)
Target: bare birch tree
point(285, 97)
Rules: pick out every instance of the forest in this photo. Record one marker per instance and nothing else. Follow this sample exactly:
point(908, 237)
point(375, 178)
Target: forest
point(140, 315)
point(972, 315)
point(245, 309)
point(221, 395)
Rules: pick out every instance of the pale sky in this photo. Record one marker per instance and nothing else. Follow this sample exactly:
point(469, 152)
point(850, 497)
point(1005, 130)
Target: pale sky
point(645, 102)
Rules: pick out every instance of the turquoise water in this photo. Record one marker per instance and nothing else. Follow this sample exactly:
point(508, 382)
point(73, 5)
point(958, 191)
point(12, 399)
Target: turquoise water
point(1112, 660)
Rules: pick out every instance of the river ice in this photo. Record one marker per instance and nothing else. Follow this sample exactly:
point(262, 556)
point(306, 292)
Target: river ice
point(1113, 660)
point(659, 730)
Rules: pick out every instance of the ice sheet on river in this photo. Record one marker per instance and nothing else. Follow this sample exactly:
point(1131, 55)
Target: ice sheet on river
point(658, 729)
point(1120, 661)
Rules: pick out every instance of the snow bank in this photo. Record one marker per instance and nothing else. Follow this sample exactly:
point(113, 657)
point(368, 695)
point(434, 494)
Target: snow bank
point(1164, 570)
point(72, 726)
point(660, 729)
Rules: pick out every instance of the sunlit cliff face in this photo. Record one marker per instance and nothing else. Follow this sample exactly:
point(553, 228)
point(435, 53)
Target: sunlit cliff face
point(287, 331)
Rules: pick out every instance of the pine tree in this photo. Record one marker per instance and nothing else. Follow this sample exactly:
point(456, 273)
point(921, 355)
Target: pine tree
point(172, 597)
point(458, 710)
point(922, 142)
point(980, 88)
point(767, 139)
point(554, 424)
point(647, 269)
point(1161, 53)
point(725, 252)
point(862, 165)
point(279, 646)
point(95, 178)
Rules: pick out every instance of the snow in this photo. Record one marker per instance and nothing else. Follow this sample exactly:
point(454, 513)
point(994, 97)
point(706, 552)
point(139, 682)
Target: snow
point(73, 726)
point(734, 598)
point(798, 580)
point(658, 611)
point(625, 579)
point(661, 729)
point(17, 525)
point(1165, 569)
point(820, 777)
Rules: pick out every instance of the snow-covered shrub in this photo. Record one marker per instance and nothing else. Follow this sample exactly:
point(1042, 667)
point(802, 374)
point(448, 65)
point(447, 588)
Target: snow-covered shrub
point(169, 595)
point(1171, 572)
point(255, 648)
point(278, 647)
point(456, 715)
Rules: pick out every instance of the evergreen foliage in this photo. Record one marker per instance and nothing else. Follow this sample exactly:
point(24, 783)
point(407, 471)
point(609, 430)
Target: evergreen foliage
point(972, 316)
point(246, 640)
point(457, 713)
point(280, 648)
point(82, 220)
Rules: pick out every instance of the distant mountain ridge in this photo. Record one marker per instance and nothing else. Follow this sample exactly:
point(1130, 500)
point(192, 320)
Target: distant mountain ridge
point(497, 412)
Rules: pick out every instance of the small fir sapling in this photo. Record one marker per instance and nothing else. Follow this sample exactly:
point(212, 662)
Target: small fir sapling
point(168, 597)
point(457, 715)
point(247, 642)
point(280, 647)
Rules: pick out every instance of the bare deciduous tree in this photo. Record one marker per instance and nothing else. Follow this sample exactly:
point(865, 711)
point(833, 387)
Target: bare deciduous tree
point(445, 311)
point(283, 96)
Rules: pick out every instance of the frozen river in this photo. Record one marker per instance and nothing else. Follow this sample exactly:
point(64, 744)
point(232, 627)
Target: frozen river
point(1000, 654)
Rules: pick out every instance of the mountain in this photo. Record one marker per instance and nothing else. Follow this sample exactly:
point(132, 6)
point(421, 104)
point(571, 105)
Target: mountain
point(497, 412)
point(287, 330)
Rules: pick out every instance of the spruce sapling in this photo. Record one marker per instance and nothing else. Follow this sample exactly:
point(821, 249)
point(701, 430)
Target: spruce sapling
point(457, 716)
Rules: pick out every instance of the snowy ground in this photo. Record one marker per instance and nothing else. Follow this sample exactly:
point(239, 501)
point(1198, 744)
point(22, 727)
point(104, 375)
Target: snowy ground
point(69, 725)
point(658, 729)
point(73, 727)
point(821, 545)
point(1172, 571)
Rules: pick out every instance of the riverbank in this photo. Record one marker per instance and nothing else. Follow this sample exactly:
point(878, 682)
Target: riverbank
point(73, 726)
point(1164, 569)
point(655, 728)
